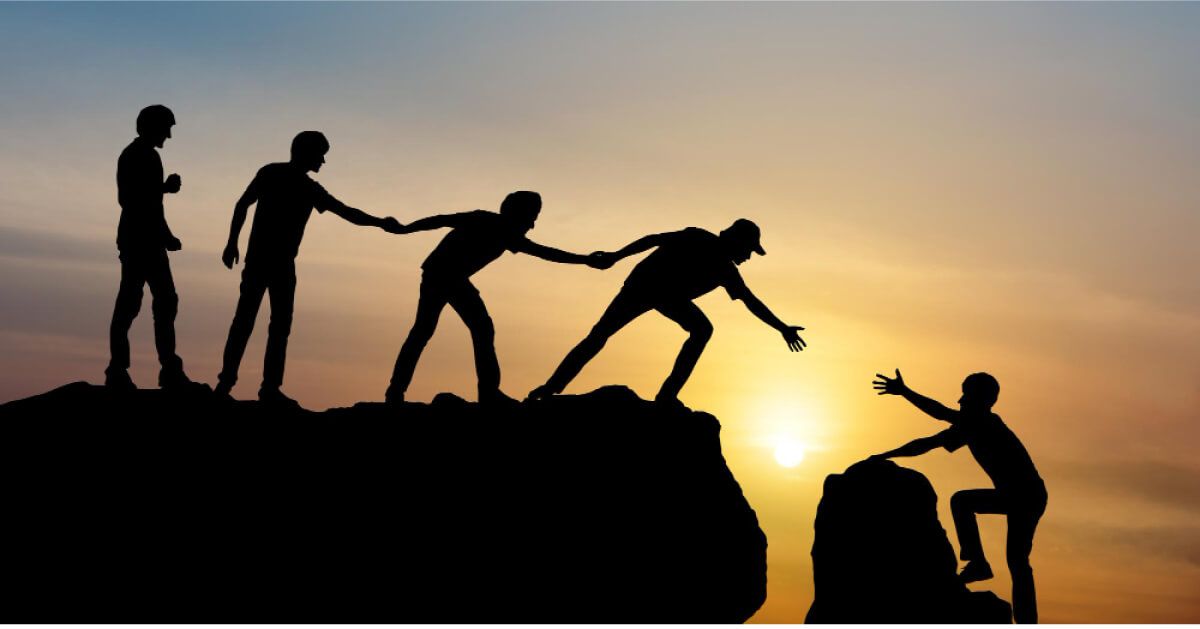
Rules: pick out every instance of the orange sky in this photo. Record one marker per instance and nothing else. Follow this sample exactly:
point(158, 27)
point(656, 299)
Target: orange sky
point(942, 188)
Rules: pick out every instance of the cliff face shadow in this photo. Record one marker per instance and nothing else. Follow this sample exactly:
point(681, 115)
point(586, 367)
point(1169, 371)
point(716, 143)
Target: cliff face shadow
point(880, 555)
point(150, 507)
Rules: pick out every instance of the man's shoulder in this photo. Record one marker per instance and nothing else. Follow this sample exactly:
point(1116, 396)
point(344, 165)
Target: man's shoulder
point(138, 150)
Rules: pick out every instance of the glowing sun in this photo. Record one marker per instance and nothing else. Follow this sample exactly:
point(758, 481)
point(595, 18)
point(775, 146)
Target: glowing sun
point(789, 453)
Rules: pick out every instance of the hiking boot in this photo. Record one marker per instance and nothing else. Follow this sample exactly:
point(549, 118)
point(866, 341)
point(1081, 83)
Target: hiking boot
point(119, 380)
point(223, 391)
point(977, 570)
point(669, 402)
point(275, 397)
point(174, 379)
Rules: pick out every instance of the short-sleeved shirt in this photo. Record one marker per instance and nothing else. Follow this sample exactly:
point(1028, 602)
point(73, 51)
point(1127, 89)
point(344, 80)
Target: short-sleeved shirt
point(997, 449)
point(689, 263)
point(286, 198)
point(477, 239)
point(140, 194)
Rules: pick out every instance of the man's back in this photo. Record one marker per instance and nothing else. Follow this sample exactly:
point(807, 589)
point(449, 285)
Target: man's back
point(689, 263)
point(140, 194)
point(997, 449)
point(286, 198)
point(477, 239)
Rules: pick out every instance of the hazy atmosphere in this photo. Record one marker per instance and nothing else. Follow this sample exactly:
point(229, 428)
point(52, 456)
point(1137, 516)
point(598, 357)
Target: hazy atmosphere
point(942, 188)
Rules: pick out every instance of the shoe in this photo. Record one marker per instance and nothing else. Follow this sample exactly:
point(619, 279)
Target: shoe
point(174, 379)
point(223, 391)
point(541, 393)
point(275, 397)
point(393, 398)
point(669, 402)
point(977, 570)
point(118, 380)
point(496, 398)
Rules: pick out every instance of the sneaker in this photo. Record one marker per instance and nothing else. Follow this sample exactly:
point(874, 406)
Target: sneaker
point(119, 380)
point(276, 397)
point(977, 570)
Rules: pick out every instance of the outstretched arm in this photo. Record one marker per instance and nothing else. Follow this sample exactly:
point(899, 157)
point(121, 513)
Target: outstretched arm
point(896, 386)
point(759, 309)
point(915, 447)
point(435, 222)
point(230, 256)
point(355, 215)
point(552, 254)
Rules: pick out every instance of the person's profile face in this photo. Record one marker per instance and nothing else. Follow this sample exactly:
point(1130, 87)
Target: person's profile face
point(160, 135)
point(742, 253)
point(314, 161)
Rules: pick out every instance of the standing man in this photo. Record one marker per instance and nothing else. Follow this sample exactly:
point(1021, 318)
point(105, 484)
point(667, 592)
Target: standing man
point(143, 240)
point(685, 265)
point(286, 196)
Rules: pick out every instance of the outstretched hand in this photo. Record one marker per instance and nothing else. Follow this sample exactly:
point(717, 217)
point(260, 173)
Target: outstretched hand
point(792, 336)
point(890, 386)
point(230, 256)
point(393, 226)
point(173, 183)
point(601, 259)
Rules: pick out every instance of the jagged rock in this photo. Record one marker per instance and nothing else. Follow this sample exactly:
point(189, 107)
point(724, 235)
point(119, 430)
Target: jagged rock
point(880, 555)
point(148, 507)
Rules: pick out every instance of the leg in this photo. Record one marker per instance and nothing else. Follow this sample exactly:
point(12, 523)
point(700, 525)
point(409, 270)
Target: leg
point(1021, 525)
point(623, 309)
point(470, 307)
point(429, 309)
point(700, 330)
point(964, 505)
point(129, 302)
point(282, 289)
point(164, 306)
point(252, 289)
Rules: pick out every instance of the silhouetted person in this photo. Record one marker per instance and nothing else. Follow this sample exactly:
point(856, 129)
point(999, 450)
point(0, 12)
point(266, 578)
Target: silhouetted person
point(286, 196)
point(686, 265)
point(143, 239)
point(1019, 490)
point(475, 240)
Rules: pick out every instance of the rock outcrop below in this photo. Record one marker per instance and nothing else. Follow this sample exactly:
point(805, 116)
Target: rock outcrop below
point(880, 555)
point(147, 507)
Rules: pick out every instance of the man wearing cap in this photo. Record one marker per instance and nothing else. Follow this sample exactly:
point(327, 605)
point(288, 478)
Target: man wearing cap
point(143, 240)
point(685, 265)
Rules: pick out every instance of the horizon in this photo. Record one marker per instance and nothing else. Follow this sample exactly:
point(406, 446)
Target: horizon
point(941, 188)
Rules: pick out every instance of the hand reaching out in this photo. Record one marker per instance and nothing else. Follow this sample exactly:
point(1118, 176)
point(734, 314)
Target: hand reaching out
point(890, 386)
point(792, 336)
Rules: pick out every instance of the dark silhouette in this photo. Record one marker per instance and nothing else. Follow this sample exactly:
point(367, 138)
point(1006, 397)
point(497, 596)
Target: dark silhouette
point(143, 239)
point(1019, 491)
point(462, 513)
point(476, 239)
point(686, 265)
point(286, 196)
point(880, 555)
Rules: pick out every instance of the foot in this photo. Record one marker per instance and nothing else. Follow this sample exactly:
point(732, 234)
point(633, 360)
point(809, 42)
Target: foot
point(223, 391)
point(275, 397)
point(393, 398)
point(119, 380)
point(541, 393)
point(496, 398)
point(669, 401)
point(977, 570)
point(174, 379)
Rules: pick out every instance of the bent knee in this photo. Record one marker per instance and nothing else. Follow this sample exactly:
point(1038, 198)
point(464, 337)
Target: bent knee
point(702, 332)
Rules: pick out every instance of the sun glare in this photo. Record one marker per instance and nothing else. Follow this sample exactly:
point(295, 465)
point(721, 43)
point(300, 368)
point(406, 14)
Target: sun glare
point(789, 453)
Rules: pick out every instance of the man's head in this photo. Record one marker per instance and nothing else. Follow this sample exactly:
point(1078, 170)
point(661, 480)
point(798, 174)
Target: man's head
point(154, 124)
point(522, 208)
point(741, 239)
point(980, 391)
point(309, 149)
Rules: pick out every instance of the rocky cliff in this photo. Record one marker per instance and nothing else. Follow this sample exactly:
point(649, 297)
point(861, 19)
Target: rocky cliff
point(880, 555)
point(147, 507)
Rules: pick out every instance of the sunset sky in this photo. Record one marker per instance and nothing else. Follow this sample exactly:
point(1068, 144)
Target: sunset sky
point(943, 188)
